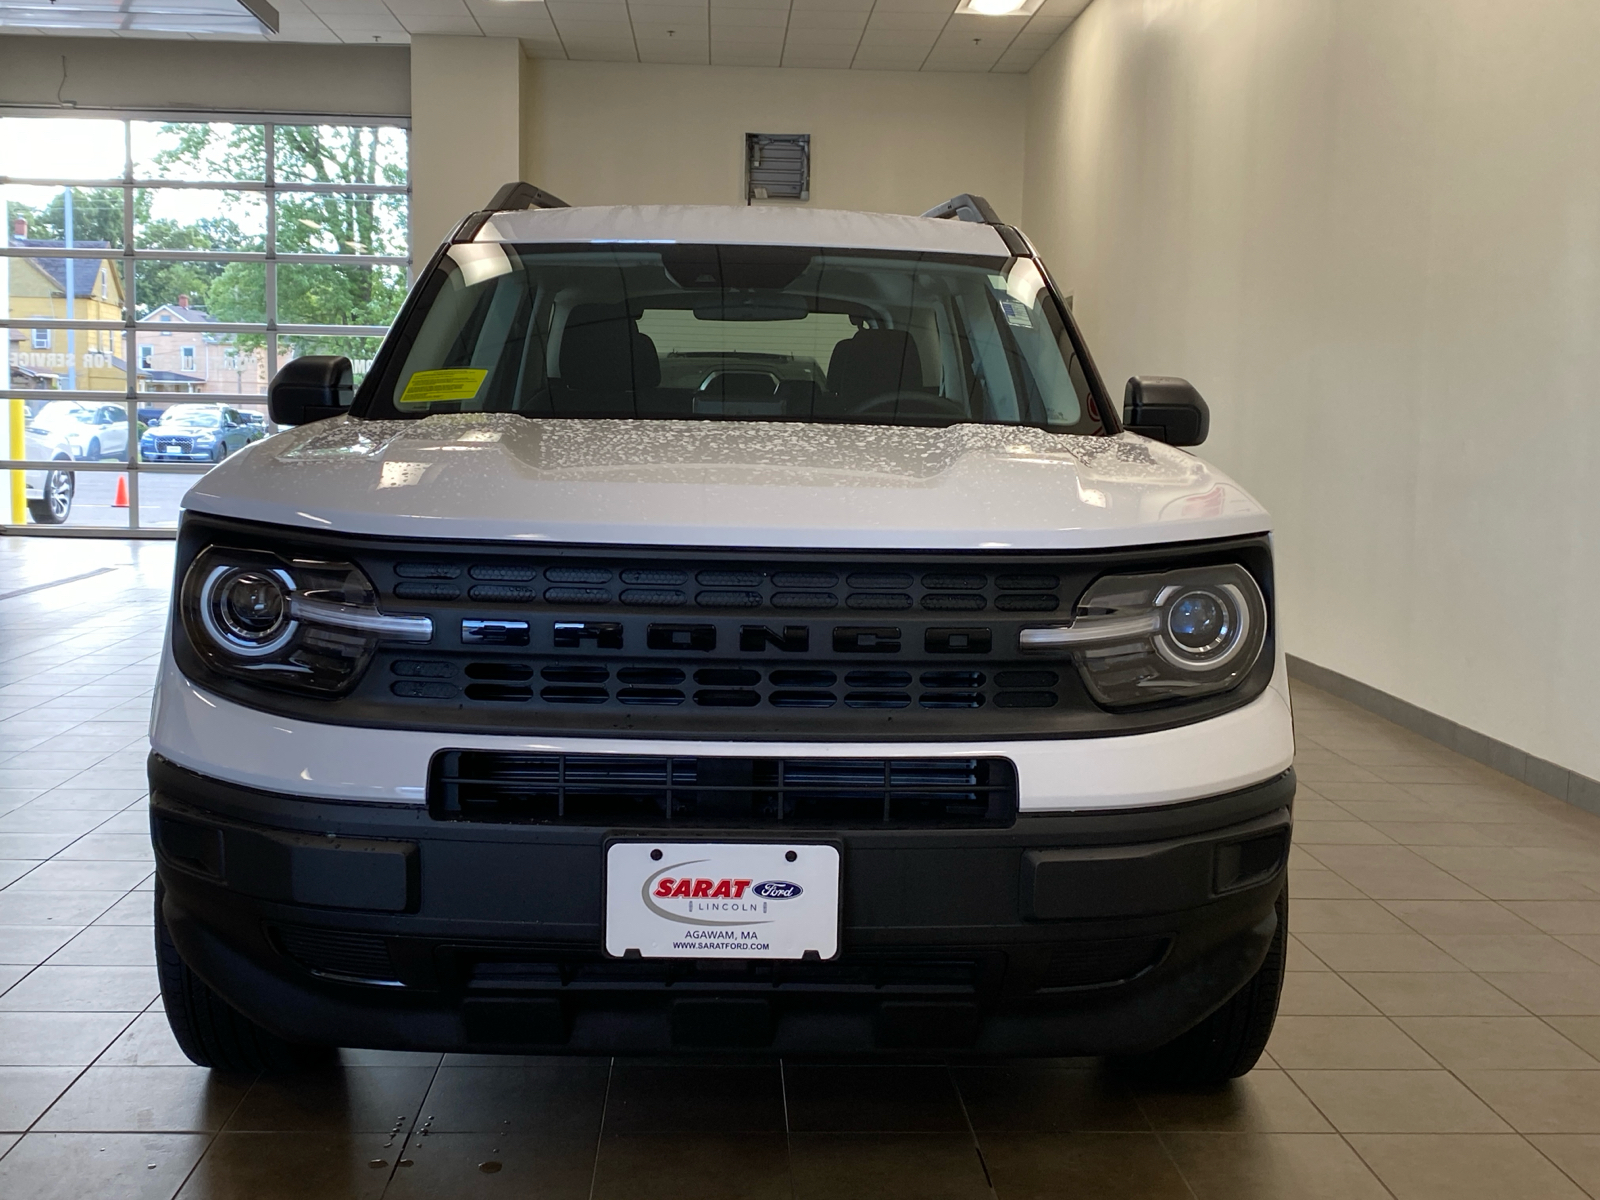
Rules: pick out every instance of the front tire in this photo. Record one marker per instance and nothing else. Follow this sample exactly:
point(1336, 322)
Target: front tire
point(56, 505)
point(1228, 1043)
point(210, 1030)
point(93, 452)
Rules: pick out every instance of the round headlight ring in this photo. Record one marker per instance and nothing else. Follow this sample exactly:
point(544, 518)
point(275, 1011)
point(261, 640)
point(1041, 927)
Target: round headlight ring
point(245, 610)
point(1219, 609)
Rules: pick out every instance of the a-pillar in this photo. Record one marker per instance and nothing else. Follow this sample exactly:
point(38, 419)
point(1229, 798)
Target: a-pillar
point(466, 130)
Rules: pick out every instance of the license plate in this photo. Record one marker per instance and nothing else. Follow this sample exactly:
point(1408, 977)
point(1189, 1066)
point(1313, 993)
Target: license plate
point(722, 900)
point(170, 448)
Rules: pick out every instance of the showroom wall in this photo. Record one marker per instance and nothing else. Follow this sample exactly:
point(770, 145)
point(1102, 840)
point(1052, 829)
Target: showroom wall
point(884, 141)
point(1369, 231)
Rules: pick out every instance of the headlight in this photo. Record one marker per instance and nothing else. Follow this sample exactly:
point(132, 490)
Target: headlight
point(246, 610)
point(1140, 639)
point(301, 624)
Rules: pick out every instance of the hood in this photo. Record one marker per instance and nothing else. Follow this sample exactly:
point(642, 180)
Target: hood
point(496, 476)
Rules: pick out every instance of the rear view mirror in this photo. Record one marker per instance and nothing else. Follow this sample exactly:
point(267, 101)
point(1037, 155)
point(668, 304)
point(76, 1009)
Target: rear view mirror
point(312, 388)
point(1165, 410)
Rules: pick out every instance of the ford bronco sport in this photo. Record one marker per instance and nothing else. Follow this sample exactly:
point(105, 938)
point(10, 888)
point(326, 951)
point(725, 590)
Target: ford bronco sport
point(724, 629)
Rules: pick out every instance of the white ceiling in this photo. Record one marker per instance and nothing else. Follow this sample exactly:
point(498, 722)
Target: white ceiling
point(897, 35)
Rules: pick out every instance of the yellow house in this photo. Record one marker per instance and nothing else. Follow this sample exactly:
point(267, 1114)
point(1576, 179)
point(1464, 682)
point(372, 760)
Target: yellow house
point(83, 359)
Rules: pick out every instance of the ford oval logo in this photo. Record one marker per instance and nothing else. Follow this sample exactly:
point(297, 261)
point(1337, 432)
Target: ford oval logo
point(777, 889)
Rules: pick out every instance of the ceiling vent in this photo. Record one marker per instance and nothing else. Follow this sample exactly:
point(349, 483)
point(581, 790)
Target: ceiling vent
point(777, 166)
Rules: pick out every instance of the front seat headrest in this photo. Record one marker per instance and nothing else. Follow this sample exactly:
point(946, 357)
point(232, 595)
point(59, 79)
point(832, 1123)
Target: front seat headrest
point(874, 363)
point(602, 350)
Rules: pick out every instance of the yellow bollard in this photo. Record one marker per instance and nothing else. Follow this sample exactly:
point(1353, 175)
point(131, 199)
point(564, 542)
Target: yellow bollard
point(19, 494)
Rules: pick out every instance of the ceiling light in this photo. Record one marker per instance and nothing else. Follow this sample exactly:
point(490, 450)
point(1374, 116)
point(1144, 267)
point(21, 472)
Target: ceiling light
point(162, 16)
point(999, 8)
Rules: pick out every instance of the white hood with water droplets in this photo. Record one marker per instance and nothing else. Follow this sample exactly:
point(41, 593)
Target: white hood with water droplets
point(495, 476)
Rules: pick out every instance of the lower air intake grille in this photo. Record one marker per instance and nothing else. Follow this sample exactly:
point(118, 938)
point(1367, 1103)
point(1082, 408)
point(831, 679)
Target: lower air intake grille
point(618, 789)
point(1099, 963)
point(332, 952)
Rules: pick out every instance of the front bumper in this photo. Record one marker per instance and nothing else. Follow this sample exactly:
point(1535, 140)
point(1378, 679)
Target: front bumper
point(176, 455)
point(374, 925)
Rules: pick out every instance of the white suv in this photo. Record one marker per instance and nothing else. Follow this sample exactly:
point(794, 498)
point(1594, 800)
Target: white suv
point(724, 629)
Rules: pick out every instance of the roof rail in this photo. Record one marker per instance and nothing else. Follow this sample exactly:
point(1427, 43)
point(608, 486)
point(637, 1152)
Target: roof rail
point(966, 207)
point(514, 197)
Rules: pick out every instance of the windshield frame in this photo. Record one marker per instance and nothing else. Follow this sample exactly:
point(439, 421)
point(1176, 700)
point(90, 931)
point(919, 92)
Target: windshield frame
point(379, 383)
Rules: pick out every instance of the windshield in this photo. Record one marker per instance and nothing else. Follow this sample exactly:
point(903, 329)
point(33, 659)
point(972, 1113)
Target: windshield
point(204, 419)
point(766, 333)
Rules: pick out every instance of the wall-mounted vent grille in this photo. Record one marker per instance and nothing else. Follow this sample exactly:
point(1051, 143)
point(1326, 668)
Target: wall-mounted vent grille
point(777, 166)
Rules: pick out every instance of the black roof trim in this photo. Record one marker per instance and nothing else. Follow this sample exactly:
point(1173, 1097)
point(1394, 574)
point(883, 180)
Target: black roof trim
point(966, 207)
point(514, 197)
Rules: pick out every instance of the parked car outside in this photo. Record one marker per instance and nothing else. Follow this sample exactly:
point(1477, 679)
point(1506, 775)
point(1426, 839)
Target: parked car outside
point(49, 493)
point(196, 433)
point(606, 675)
point(92, 431)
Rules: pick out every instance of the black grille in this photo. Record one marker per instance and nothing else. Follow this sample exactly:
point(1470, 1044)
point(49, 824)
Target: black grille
point(540, 683)
point(619, 789)
point(617, 583)
point(755, 645)
point(953, 974)
point(338, 953)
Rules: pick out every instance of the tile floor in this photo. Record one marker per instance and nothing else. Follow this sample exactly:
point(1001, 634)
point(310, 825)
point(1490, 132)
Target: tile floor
point(1440, 1031)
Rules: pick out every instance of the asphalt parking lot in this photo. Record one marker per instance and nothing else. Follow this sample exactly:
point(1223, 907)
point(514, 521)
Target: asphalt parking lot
point(159, 497)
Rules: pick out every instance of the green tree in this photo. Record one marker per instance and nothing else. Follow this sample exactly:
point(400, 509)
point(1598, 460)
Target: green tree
point(96, 216)
point(331, 222)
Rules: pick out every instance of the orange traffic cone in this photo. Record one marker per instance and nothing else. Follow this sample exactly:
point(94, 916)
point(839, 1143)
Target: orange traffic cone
point(122, 493)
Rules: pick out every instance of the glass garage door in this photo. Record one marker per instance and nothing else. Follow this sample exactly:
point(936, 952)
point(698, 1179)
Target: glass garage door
point(156, 274)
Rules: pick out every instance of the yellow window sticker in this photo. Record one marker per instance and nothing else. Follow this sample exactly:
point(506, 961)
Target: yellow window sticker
point(429, 387)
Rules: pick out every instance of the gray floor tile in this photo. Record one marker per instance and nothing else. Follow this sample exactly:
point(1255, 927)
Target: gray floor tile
point(872, 1098)
point(717, 1166)
point(1083, 1166)
point(493, 1164)
point(108, 946)
point(311, 1165)
point(147, 1042)
point(62, 874)
point(48, 1039)
point(685, 1098)
point(136, 908)
point(33, 846)
point(54, 907)
point(13, 869)
point(25, 1093)
point(147, 1099)
point(112, 847)
point(53, 988)
point(558, 1097)
point(30, 945)
point(72, 1166)
point(339, 1100)
point(1030, 1099)
point(887, 1166)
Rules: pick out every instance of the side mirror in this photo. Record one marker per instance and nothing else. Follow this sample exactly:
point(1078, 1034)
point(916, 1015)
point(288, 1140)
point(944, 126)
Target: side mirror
point(1165, 410)
point(312, 388)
